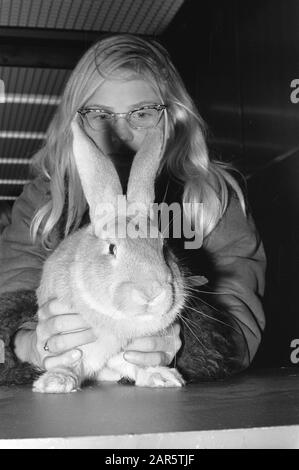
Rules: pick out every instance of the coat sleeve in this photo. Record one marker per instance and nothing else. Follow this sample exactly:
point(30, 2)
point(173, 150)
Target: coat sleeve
point(21, 263)
point(21, 259)
point(223, 324)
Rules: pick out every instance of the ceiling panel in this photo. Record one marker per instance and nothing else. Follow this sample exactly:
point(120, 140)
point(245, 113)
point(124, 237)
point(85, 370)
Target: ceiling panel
point(27, 80)
point(127, 16)
point(25, 118)
point(31, 96)
point(16, 151)
point(11, 189)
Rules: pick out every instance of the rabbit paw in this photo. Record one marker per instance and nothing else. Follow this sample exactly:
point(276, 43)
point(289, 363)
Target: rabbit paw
point(55, 382)
point(159, 377)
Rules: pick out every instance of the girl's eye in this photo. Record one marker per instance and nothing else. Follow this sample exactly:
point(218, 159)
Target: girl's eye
point(112, 249)
point(142, 115)
point(100, 116)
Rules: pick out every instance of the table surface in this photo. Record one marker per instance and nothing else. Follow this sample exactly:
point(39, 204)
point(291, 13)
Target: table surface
point(254, 409)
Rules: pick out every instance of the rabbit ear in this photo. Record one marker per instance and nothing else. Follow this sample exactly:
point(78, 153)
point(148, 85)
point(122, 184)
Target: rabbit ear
point(99, 178)
point(141, 184)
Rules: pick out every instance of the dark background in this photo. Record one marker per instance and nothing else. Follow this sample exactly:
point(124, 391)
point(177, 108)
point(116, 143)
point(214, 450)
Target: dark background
point(237, 58)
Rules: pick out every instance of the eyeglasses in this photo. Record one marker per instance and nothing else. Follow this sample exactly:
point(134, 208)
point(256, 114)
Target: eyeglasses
point(145, 117)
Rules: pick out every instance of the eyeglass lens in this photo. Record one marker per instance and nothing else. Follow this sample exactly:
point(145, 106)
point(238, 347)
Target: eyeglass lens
point(141, 118)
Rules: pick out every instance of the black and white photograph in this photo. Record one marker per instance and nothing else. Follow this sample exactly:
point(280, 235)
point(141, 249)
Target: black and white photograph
point(149, 228)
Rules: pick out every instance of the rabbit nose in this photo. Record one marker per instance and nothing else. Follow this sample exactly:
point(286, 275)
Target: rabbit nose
point(149, 294)
point(155, 290)
point(139, 297)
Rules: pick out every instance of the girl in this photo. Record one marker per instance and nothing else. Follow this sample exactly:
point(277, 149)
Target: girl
point(123, 86)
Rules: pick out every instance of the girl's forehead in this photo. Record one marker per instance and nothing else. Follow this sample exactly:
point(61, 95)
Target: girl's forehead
point(125, 90)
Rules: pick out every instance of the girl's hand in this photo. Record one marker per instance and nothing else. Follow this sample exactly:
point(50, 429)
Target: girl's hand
point(60, 331)
point(155, 350)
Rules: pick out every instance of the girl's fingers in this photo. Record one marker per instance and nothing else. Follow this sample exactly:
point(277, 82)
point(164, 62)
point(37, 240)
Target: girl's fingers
point(61, 331)
point(146, 344)
point(68, 359)
point(147, 358)
point(168, 344)
point(52, 307)
point(155, 350)
point(65, 342)
point(65, 323)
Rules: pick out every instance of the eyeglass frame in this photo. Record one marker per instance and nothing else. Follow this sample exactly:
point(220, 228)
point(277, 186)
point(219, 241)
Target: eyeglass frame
point(158, 107)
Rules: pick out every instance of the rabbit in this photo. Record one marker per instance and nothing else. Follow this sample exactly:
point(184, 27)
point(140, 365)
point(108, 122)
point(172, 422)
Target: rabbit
point(123, 287)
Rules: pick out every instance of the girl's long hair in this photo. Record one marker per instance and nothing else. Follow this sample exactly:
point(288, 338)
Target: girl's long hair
point(205, 180)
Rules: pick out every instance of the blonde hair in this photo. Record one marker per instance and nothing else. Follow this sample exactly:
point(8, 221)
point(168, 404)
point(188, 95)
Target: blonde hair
point(186, 155)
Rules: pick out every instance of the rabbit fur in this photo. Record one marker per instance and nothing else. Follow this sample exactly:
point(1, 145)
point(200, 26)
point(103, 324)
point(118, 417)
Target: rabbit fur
point(123, 287)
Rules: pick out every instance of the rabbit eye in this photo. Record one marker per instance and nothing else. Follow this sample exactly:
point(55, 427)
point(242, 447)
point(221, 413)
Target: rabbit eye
point(112, 249)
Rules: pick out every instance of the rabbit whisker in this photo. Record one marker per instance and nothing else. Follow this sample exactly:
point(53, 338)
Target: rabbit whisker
point(173, 337)
point(169, 224)
point(196, 289)
point(191, 297)
point(164, 197)
point(213, 318)
point(185, 322)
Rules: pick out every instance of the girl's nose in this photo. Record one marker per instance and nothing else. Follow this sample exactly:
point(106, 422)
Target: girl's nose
point(122, 131)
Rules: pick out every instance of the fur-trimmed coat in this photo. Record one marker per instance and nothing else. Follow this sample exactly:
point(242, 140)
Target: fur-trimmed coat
point(225, 330)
